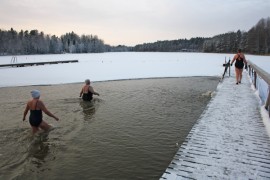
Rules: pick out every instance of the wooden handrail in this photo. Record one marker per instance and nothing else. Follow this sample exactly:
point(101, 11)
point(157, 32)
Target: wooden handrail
point(265, 76)
point(226, 65)
point(262, 73)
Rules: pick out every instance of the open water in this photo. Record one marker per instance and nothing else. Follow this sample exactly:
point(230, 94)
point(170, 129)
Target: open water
point(131, 131)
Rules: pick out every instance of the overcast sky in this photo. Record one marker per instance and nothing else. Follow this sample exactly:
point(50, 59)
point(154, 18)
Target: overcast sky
point(131, 22)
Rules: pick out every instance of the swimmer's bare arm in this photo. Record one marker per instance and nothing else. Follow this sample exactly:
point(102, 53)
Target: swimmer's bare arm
point(46, 111)
point(234, 58)
point(26, 111)
point(245, 61)
point(92, 90)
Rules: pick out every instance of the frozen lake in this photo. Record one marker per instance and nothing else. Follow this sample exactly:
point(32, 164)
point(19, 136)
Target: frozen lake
point(110, 66)
point(115, 66)
point(131, 131)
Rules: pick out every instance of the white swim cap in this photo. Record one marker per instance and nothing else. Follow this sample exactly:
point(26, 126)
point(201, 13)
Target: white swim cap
point(35, 94)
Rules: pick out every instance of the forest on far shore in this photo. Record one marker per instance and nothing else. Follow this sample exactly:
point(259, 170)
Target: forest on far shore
point(254, 41)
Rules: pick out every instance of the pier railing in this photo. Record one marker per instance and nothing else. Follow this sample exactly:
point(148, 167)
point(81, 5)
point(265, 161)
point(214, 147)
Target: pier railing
point(261, 79)
point(226, 65)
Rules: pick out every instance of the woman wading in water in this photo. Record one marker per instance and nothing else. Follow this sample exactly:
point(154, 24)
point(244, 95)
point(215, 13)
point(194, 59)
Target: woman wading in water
point(36, 106)
point(87, 91)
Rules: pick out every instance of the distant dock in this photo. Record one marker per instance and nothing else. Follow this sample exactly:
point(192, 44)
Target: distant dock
point(37, 63)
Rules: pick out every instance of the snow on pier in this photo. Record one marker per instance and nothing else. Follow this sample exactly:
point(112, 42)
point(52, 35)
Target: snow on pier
point(229, 141)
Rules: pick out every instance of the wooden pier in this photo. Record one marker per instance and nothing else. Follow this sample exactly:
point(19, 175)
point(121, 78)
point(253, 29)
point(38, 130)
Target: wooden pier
point(37, 63)
point(229, 141)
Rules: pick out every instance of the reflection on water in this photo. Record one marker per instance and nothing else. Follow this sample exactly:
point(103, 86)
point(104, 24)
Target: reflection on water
point(89, 107)
point(131, 131)
point(39, 149)
point(23, 153)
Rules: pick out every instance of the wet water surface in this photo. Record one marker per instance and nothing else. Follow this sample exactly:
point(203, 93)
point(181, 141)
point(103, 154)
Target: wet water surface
point(131, 131)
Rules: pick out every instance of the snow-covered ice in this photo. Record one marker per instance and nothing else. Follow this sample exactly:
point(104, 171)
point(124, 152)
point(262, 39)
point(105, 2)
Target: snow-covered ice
point(110, 66)
point(261, 61)
point(113, 66)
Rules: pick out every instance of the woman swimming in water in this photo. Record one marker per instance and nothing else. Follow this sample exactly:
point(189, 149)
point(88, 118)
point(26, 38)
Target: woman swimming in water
point(36, 106)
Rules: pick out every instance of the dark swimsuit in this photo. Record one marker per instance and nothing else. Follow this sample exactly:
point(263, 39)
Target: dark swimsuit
point(87, 96)
point(35, 117)
point(239, 63)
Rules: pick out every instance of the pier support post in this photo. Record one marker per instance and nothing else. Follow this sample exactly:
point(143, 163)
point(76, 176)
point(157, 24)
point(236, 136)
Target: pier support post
point(255, 79)
point(229, 64)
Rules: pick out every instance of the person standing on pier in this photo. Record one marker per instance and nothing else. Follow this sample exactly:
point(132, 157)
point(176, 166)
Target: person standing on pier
point(87, 91)
point(36, 107)
point(240, 60)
